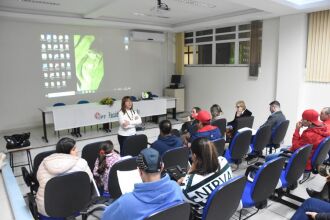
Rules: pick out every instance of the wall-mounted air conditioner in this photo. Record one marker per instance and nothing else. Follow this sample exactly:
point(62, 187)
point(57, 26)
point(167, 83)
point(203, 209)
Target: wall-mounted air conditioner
point(147, 36)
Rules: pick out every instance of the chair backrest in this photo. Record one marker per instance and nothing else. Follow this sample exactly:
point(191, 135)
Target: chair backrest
point(177, 156)
point(67, 194)
point(113, 184)
point(297, 163)
point(240, 144)
point(82, 102)
point(221, 124)
point(39, 158)
point(320, 153)
point(220, 146)
point(59, 104)
point(266, 179)
point(134, 144)
point(244, 122)
point(279, 132)
point(262, 138)
point(175, 212)
point(218, 205)
point(90, 153)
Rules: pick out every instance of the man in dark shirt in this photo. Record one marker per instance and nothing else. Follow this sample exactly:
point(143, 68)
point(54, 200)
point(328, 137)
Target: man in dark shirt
point(166, 140)
point(276, 116)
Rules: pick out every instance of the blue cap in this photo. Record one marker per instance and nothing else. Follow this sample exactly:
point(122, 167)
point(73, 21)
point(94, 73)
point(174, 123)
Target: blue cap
point(149, 160)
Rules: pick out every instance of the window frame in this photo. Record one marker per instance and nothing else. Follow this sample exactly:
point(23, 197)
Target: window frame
point(214, 42)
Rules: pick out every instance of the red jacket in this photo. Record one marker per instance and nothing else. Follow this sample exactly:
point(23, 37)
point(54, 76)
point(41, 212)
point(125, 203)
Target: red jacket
point(312, 136)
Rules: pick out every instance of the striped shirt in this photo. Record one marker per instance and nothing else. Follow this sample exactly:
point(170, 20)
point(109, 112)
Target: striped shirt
point(197, 188)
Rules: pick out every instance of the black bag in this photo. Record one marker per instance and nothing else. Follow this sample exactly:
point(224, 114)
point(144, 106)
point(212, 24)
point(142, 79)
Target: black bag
point(17, 140)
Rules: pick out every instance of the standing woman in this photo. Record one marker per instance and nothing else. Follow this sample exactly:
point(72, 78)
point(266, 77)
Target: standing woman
point(128, 119)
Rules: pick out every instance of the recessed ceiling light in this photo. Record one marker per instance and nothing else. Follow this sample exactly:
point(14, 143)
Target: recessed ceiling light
point(303, 2)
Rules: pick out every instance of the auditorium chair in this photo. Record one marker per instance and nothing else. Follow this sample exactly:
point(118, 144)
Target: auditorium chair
point(134, 144)
point(238, 147)
point(220, 146)
point(218, 205)
point(263, 184)
point(318, 158)
point(278, 135)
point(30, 179)
point(221, 124)
point(179, 211)
point(294, 169)
point(259, 142)
point(177, 156)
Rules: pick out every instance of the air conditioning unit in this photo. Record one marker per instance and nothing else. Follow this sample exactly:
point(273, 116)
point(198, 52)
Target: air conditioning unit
point(147, 36)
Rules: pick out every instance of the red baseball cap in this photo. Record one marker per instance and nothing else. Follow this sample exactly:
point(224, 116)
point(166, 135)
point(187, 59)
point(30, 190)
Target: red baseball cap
point(203, 116)
point(312, 116)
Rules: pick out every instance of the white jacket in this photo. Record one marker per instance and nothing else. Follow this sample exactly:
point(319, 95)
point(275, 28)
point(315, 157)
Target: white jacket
point(133, 118)
point(54, 165)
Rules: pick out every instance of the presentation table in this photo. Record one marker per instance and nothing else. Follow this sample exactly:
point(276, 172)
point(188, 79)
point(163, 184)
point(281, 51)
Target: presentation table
point(80, 115)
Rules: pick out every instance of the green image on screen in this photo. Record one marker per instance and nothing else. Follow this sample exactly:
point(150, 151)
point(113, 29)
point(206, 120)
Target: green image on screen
point(88, 62)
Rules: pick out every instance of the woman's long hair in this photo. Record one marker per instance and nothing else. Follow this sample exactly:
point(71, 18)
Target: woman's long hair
point(125, 99)
point(106, 148)
point(206, 156)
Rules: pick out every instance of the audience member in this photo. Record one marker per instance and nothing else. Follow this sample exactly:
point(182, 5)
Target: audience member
point(312, 209)
point(314, 134)
point(206, 173)
point(325, 116)
point(241, 111)
point(65, 160)
point(275, 118)
point(190, 125)
point(106, 159)
point(153, 194)
point(204, 127)
point(128, 119)
point(216, 112)
point(166, 140)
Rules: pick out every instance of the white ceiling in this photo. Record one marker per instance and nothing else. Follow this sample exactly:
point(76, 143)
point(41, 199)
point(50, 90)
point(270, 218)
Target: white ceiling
point(143, 14)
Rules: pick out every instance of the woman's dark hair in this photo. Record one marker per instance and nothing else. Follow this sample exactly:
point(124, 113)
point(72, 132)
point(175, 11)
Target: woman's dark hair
point(125, 99)
point(105, 148)
point(198, 109)
point(65, 145)
point(206, 156)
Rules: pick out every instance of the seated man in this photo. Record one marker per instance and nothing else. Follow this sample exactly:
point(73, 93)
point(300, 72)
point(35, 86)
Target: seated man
point(275, 118)
point(204, 127)
point(153, 194)
point(314, 134)
point(166, 141)
point(325, 116)
point(312, 209)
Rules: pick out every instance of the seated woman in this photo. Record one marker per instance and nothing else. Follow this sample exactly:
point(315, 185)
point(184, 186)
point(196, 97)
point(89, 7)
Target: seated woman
point(206, 173)
point(241, 111)
point(106, 159)
point(65, 160)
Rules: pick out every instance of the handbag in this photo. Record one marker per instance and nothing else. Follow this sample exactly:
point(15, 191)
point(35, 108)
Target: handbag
point(17, 141)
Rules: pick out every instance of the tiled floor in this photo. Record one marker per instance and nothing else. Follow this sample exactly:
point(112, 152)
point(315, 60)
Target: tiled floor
point(273, 211)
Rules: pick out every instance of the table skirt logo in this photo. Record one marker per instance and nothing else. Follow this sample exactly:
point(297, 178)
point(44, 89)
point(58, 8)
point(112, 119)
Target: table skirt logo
point(99, 116)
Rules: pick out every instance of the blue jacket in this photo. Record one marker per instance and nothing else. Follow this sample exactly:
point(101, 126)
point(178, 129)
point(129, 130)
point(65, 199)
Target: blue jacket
point(165, 143)
point(210, 132)
point(145, 199)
